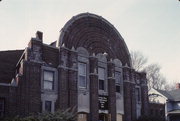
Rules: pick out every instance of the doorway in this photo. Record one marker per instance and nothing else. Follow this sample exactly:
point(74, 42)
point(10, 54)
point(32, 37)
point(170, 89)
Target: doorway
point(103, 117)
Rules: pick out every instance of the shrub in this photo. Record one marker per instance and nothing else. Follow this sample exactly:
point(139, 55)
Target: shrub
point(67, 115)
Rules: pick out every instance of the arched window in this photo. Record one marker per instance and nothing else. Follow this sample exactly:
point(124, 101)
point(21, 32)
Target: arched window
point(83, 68)
point(82, 75)
point(118, 75)
point(102, 73)
point(119, 89)
point(83, 83)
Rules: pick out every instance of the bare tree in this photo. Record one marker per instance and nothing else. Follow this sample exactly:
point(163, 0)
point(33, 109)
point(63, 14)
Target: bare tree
point(138, 60)
point(171, 86)
point(155, 79)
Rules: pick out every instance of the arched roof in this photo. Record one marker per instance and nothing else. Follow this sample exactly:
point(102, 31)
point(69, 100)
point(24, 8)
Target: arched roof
point(95, 34)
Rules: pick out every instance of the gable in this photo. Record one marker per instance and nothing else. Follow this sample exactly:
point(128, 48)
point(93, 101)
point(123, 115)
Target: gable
point(8, 61)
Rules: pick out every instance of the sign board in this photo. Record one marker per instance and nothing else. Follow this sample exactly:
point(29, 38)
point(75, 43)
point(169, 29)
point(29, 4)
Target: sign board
point(103, 102)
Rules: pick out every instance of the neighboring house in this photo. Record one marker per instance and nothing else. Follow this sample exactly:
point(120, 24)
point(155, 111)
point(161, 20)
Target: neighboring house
point(88, 68)
point(157, 103)
point(169, 99)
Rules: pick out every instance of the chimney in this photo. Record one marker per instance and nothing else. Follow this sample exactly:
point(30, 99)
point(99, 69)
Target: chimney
point(178, 86)
point(39, 35)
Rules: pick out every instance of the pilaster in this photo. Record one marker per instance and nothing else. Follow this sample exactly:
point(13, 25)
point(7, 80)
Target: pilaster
point(127, 95)
point(62, 102)
point(144, 95)
point(111, 91)
point(72, 78)
point(94, 108)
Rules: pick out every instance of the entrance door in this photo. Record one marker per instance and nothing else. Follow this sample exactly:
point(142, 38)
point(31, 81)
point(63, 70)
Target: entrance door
point(82, 117)
point(103, 117)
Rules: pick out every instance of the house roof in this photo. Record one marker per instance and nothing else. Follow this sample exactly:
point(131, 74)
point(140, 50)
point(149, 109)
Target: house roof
point(173, 95)
point(166, 94)
point(8, 61)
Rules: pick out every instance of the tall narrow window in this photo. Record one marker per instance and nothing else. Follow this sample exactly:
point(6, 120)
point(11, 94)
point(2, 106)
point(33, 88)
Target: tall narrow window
point(118, 81)
point(48, 80)
point(1, 108)
point(48, 106)
point(101, 74)
point(138, 97)
point(82, 80)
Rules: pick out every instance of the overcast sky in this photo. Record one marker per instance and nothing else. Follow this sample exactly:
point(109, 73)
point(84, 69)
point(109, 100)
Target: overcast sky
point(150, 26)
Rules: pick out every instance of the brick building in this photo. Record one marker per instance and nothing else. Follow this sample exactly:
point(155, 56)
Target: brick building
point(89, 68)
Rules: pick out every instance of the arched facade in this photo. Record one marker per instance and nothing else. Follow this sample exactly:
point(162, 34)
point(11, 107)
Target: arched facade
point(95, 34)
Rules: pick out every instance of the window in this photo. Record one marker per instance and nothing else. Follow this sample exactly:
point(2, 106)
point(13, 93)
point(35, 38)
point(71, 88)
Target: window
point(48, 80)
point(118, 81)
point(48, 106)
point(118, 88)
point(118, 77)
point(1, 108)
point(101, 84)
point(138, 98)
point(82, 82)
point(101, 74)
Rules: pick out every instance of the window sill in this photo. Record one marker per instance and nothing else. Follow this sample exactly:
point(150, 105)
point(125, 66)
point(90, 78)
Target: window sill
point(83, 89)
point(48, 91)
